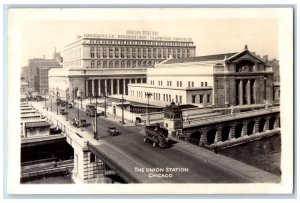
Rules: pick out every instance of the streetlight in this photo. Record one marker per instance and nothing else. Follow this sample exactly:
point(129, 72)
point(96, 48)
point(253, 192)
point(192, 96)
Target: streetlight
point(80, 98)
point(95, 127)
point(122, 108)
point(148, 95)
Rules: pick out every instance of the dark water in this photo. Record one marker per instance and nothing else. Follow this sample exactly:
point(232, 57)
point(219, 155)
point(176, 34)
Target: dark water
point(264, 154)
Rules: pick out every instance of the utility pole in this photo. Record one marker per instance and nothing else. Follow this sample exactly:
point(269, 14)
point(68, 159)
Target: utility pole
point(80, 98)
point(148, 95)
point(105, 96)
point(122, 108)
point(95, 128)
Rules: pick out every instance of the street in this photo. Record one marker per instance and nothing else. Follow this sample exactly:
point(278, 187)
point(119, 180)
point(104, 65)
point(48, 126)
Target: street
point(199, 165)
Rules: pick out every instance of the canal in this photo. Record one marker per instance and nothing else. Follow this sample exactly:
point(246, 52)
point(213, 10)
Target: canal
point(264, 154)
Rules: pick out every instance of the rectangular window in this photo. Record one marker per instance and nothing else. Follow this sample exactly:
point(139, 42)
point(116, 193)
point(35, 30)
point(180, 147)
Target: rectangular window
point(193, 84)
point(180, 99)
point(170, 98)
point(92, 158)
point(164, 97)
point(193, 99)
point(201, 84)
point(205, 84)
point(180, 83)
point(189, 84)
point(201, 98)
point(176, 98)
point(208, 98)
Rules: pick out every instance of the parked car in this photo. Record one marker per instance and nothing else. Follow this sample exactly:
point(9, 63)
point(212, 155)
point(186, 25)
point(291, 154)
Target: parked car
point(79, 123)
point(113, 131)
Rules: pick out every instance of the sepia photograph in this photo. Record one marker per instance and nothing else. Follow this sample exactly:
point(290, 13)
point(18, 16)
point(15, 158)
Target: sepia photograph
point(150, 100)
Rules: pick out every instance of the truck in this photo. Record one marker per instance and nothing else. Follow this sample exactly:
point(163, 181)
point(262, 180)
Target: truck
point(157, 135)
point(79, 123)
point(91, 110)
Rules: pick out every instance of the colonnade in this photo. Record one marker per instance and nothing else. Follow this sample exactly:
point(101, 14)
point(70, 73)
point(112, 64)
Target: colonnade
point(110, 86)
point(246, 91)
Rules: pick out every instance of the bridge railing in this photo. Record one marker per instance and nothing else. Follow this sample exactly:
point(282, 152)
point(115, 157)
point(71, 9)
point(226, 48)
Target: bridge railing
point(65, 127)
point(228, 116)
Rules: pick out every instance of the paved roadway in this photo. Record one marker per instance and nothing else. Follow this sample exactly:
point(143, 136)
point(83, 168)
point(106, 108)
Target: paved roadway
point(200, 165)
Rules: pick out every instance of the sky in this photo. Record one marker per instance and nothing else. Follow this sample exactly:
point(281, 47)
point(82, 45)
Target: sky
point(35, 32)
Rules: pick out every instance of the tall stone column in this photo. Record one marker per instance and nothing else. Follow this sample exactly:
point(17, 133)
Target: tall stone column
point(105, 87)
point(254, 91)
point(86, 88)
point(135, 81)
point(99, 87)
point(93, 87)
point(118, 86)
point(112, 86)
point(248, 93)
point(241, 94)
point(124, 86)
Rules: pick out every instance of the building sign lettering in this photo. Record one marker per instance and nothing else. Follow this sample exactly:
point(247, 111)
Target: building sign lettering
point(138, 35)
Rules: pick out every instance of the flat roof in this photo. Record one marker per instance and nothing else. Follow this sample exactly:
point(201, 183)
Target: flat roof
point(37, 124)
point(216, 57)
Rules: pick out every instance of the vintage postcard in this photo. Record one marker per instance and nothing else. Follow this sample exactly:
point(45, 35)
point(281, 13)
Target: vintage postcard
point(150, 101)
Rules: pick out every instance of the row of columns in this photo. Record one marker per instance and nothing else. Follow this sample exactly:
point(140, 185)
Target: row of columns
point(118, 85)
point(232, 130)
point(248, 89)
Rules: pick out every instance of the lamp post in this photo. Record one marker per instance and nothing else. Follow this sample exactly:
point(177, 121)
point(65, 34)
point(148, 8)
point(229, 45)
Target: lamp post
point(80, 98)
point(148, 95)
point(122, 108)
point(95, 128)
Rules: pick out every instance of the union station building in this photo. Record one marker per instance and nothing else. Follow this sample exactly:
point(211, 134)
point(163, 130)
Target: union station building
point(100, 64)
point(220, 80)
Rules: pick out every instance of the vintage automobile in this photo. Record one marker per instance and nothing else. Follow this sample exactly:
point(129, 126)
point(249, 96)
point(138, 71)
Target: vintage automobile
point(79, 123)
point(113, 131)
point(63, 111)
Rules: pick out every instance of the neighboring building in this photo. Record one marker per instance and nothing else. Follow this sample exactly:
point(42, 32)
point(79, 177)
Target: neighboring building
point(37, 129)
point(98, 63)
point(24, 90)
point(36, 73)
point(214, 80)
